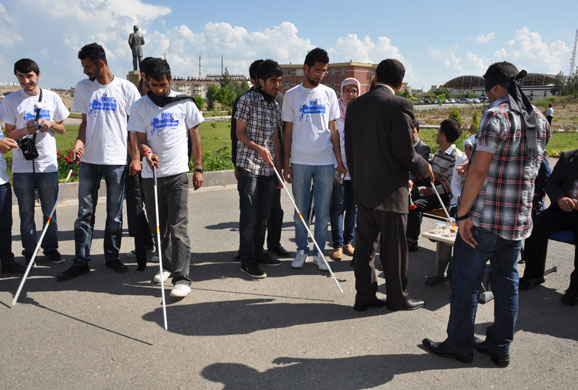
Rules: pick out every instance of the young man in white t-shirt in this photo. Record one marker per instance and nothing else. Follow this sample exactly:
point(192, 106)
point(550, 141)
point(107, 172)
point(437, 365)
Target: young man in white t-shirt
point(9, 266)
point(161, 121)
point(310, 111)
point(104, 102)
point(35, 114)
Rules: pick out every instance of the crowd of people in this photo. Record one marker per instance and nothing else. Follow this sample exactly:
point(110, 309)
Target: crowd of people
point(355, 162)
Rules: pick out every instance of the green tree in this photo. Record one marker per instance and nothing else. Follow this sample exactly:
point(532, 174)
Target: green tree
point(475, 122)
point(455, 114)
point(199, 101)
point(559, 83)
point(212, 95)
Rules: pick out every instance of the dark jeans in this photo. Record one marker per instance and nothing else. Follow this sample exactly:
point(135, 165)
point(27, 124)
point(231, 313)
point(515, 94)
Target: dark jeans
point(468, 267)
point(173, 195)
point(394, 255)
point(342, 228)
point(47, 184)
point(415, 216)
point(138, 224)
point(255, 199)
point(89, 176)
point(6, 255)
point(275, 221)
point(536, 246)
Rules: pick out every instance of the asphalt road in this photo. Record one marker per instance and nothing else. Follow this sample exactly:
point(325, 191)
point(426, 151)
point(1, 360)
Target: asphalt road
point(292, 330)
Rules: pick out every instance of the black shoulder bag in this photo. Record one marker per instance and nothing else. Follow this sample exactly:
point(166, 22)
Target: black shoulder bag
point(28, 145)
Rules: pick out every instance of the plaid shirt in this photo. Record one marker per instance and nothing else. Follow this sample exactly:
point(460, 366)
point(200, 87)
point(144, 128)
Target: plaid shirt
point(504, 204)
point(262, 119)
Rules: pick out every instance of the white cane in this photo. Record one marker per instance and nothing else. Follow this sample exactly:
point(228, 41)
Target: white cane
point(31, 263)
point(308, 230)
point(433, 186)
point(159, 248)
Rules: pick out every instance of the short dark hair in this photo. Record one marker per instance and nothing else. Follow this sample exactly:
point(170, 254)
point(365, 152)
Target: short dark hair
point(269, 68)
point(94, 52)
point(26, 65)
point(390, 72)
point(316, 55)
point(451, 128)
point(157, 68)
point(501, 73)
point(144, 64)
point(253, 69)
point(415, 124)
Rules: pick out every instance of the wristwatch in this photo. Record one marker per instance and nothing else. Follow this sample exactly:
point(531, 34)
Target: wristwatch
point(200, 170)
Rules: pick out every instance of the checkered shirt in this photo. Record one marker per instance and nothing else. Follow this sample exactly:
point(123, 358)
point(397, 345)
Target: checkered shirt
point(262, 119)
point(504, 204)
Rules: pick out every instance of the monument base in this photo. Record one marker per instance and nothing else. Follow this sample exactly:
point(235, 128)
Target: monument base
point(134, 77)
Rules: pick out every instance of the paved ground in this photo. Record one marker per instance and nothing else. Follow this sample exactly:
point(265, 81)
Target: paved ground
point(291, 330)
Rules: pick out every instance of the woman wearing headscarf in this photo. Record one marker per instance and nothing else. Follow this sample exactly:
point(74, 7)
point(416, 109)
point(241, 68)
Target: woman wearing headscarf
point(342, 228)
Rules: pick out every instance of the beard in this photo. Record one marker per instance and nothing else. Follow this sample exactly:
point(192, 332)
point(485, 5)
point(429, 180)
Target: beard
point(312, 82)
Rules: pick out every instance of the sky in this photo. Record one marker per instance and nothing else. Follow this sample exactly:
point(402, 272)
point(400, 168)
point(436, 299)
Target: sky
point(436, 41)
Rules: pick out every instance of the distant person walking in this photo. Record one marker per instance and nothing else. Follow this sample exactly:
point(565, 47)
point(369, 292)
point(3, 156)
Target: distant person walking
point(550, 114)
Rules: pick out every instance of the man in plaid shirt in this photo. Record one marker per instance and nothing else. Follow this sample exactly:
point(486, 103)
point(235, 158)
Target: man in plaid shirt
point(494, 216)
point(258, 119)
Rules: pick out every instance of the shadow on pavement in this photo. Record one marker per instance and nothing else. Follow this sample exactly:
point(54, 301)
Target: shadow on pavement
point(359, 372)
point(246, 316)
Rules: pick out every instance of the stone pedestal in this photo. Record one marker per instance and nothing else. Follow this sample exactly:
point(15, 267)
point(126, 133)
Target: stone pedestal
point(134, 77)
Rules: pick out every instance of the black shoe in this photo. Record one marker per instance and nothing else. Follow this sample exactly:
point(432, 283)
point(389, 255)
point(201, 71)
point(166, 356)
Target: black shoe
point(279, 250)
point(74, 271)
point(364, 306)
point(54, 256)
point(117, 265)
point(13, 268)
point(442, 349)
point(253, 271)
point(413, 247)
point(141, 265)
point(499, 360)
point(237, 256)
point(528, 283)
point(266, 260)
point(412, 304)
point(570, 298)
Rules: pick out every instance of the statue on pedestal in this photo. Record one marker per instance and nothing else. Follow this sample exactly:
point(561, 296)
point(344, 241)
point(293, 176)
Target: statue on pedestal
point(135, 41)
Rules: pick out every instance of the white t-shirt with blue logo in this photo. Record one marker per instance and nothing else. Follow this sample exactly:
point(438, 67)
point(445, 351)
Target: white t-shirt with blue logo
point(310, 111)
point(17, 109)
point(107, 108)
point(166, 129)
point(3, 167)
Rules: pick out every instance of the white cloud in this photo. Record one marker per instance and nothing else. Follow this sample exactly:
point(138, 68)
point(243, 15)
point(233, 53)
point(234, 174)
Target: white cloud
point(485, 38)
point(529, 51)
point(500, 54)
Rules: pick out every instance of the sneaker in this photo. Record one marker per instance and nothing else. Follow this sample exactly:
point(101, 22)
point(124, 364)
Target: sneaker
point(165, 277)
point(253, 271)
point(299, 260)
point(54, 256)
point(180, 291)
point(13, 268)
point(320, 261)
point(266, 260)
point(154, 258)
point(237, 256)
point(74, 271)
point(132, 254)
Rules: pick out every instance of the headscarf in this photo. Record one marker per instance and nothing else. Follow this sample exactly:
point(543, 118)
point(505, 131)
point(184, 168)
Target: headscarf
point(471, 141)
point(342, 104)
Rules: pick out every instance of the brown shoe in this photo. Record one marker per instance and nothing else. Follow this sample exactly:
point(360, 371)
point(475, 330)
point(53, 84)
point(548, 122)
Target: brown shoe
point(337, 254)
point(348, 249)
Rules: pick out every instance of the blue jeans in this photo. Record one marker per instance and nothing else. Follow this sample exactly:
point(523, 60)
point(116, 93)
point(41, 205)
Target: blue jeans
point(89, 176)
point(24, 184)
point(6, 255)
point(255, 201)
point(322, 176)
point(468, 265)
point(342, 202)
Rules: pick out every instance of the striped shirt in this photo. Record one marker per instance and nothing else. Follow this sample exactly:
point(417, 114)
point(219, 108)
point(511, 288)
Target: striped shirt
point(504, 204)
point(262, 119)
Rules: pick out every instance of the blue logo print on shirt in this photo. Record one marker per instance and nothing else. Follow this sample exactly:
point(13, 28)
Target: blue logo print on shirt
point(314, 107)
point(167, 120)
point(105, 103)
point(44, 114)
